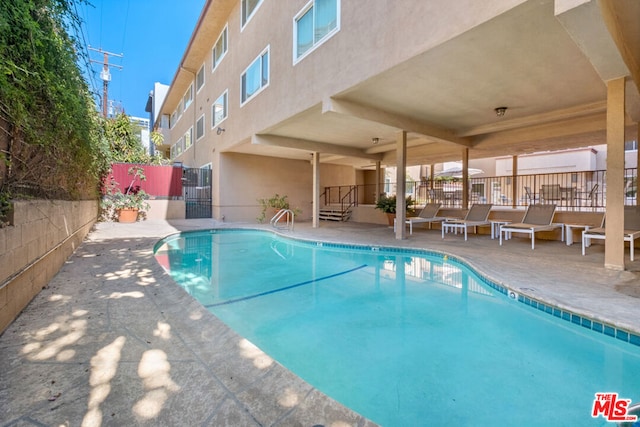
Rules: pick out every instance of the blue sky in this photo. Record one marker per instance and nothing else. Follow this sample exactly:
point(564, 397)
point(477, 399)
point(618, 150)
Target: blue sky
point(152, 36)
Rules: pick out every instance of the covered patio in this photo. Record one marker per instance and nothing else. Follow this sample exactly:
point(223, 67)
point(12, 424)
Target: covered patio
point(544, 75)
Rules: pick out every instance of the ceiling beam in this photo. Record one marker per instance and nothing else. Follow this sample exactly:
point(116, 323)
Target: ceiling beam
point(313, 146)
point(340, 106)
point(537, 119)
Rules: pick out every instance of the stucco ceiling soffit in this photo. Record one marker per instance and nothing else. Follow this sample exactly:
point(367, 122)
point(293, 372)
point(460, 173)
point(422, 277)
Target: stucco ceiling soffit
point(537, 119)
point(312, 146)
point(622, 18)
point(348, 108)
point(566, 128)
point(585, 24)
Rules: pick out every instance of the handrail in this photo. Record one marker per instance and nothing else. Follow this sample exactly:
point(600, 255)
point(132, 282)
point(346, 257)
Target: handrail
point(352, 200)
point(283, 213)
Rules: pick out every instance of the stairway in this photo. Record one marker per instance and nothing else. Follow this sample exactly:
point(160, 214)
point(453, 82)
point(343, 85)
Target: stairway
point(329, 214)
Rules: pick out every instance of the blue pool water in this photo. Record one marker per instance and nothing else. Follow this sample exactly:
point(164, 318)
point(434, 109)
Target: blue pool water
point(404, 338)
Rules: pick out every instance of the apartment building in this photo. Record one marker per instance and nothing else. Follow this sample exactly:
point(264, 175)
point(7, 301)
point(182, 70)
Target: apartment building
point(293, 96)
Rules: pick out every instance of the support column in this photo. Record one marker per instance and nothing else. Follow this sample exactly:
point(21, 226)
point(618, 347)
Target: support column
point(514, 182)
point(614, 243)
point(465, 178)
point(401, 184)
point(378, 181)
point(637, 164)
point(316, 190)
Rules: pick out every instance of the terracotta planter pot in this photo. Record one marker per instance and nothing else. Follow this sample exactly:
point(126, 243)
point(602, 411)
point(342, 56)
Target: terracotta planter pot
point(391, 217)
point(128, 215)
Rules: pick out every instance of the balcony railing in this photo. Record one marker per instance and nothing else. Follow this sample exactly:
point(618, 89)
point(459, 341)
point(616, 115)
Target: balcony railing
point(584, 190)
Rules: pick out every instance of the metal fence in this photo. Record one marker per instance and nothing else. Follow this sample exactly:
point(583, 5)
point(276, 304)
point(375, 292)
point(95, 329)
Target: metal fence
point(585, 190)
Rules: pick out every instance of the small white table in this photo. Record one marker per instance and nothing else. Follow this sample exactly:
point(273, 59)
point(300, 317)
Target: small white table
point(495, 226)
point(569, 231)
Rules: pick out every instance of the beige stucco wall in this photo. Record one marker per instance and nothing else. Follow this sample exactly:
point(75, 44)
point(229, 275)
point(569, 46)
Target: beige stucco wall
point(43, 235)
point(166, 209)
point(243, 179)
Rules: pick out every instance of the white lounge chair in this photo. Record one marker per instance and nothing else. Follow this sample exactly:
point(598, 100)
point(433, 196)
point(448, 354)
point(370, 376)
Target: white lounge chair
point(536, 218)
point(631, 230)
point(427, 214)
point(477, 215)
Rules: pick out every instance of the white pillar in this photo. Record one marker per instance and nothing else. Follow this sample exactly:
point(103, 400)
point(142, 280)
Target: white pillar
point(316, 190)
point(401, 179)
point(378, 181)
point(614, 243)
point(465, 178)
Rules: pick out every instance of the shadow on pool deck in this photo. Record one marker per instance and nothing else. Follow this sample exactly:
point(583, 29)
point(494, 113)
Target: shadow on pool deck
point(113, 341)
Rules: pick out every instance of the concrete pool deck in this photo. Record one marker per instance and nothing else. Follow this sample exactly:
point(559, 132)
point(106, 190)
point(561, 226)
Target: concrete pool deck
point(113, 341)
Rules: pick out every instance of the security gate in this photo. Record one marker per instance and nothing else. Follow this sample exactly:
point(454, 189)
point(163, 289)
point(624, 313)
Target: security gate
point(196, 184)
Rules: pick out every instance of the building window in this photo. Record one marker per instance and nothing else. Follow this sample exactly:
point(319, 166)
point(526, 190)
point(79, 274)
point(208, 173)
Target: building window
point(219, 110)
point(315, 24)
point(188, 138)
point(248, 9)
point(219, 49)
point(256, 77)
point(188, 97)
point(630, 145)
point(174, 119)
point(177, 148)
point(200, 78)
point(200, 127)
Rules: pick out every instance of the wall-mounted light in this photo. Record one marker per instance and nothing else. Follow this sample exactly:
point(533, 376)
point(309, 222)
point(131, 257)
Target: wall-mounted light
point(500, 111)
point(219, 130)
point(375, 140)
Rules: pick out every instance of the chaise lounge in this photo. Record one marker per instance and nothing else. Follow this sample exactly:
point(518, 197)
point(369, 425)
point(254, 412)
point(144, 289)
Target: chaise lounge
point(477, 215)
point(537, 218)
point(631, 230)
point(427, 214)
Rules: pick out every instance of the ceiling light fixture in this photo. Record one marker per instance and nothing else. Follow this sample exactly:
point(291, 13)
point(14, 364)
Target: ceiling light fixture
point(375, 140)
point(500, 111)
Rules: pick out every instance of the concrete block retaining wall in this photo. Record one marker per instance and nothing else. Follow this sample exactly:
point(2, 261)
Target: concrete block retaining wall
point(43, 235)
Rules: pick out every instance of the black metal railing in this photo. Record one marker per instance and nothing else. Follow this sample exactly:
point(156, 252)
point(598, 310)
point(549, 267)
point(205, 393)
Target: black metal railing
point(584, 190)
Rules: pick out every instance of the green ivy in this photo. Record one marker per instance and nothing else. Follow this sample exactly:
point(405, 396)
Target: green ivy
point(45, 99)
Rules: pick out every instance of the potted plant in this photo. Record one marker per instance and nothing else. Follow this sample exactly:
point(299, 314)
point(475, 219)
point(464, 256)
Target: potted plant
point(127, 206)
point(387, 204)
point(272, 205)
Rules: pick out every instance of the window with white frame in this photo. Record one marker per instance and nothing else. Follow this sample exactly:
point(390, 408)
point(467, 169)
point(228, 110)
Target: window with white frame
point(200, 127)
point(219, 109)
point(177, 148)
point(188, 138)
point(174, 119)
point(255, 77)
point(219, 49)
point(247, 10)
point(188, 97)
point(317, 22)
point(200, 78)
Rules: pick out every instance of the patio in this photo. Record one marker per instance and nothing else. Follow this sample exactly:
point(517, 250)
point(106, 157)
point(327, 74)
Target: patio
point(112, 340)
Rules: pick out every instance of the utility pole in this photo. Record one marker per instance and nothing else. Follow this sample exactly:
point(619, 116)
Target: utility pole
point(105, 75)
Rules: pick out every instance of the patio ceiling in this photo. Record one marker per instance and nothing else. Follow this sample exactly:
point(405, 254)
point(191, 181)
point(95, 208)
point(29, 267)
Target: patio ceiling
point(550, 69)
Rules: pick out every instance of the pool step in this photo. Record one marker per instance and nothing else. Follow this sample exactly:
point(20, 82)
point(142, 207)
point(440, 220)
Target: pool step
point(328, 214)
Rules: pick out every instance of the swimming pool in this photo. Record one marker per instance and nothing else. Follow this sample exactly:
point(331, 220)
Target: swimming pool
point(404, 337)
